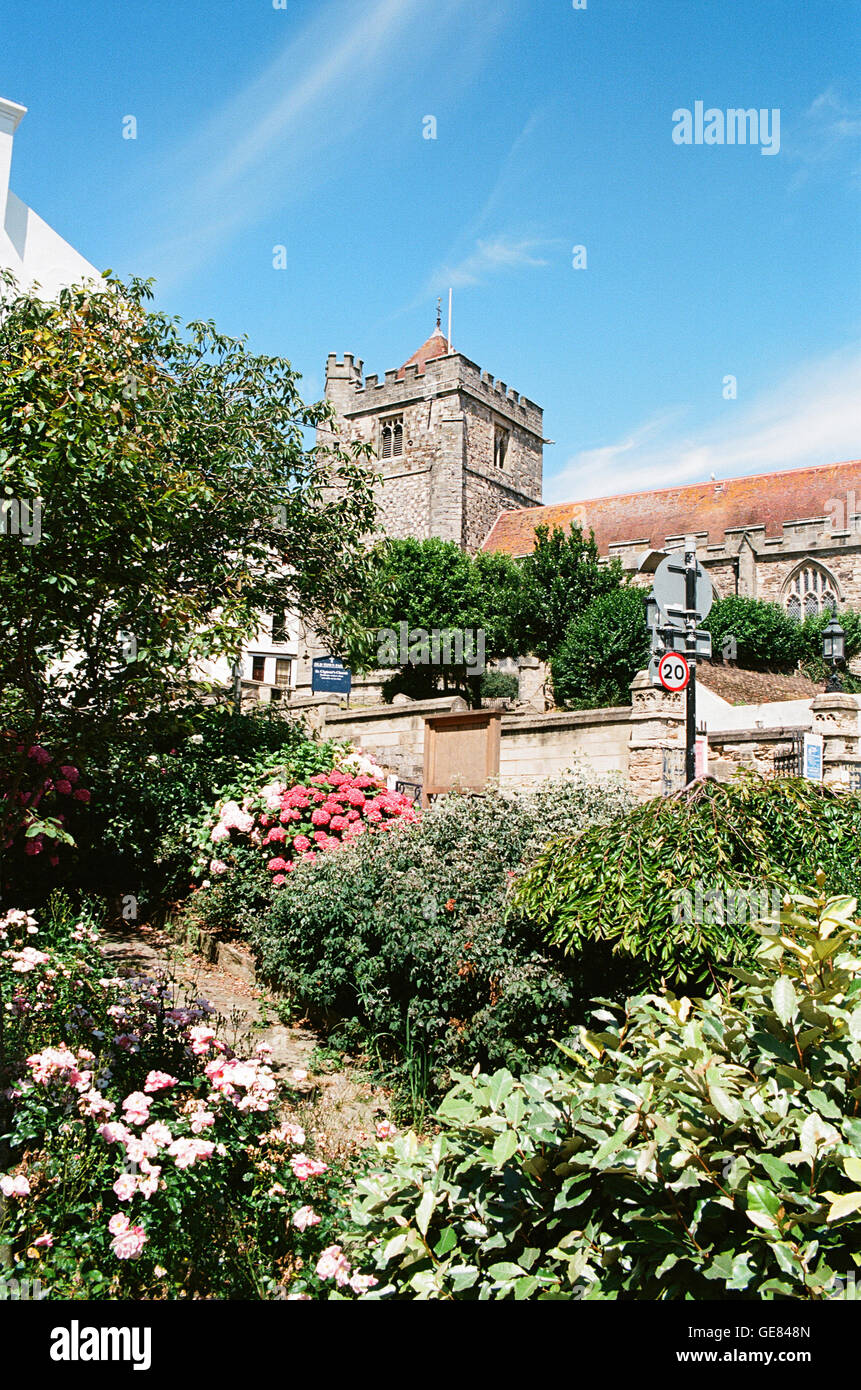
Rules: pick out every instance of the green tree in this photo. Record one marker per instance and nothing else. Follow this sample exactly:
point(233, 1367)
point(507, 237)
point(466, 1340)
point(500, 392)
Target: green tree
point(767, 636)
point(602, 651)
point(432, 586)
point(764, 633)
point(559, 580)
point(156, 495)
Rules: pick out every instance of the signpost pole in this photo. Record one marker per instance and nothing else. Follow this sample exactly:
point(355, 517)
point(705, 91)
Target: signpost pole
point(690, 629)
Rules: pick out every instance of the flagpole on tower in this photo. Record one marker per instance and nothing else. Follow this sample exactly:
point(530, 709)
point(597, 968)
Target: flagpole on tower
point(449, 320)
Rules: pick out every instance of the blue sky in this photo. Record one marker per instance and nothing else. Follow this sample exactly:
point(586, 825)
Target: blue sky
point(302, 126)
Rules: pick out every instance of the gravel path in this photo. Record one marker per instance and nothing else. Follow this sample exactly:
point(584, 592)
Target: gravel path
point(339, 1107)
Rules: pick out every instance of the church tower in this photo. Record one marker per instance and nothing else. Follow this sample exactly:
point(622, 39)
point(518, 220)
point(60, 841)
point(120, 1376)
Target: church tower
point(454, 446)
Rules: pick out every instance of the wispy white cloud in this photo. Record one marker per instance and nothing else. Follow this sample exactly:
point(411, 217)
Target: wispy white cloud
point(490, 256)
point(829, 132)
point(812, 417)
point(283, 134)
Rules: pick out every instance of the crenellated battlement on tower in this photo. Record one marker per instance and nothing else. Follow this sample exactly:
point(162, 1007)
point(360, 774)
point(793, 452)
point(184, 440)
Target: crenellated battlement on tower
point(450, 372)
point(455, 444)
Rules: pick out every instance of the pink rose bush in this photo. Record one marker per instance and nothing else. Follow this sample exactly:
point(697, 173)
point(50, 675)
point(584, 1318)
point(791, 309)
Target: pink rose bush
point(36, 793)
point(287, 824)
point(145, 1158)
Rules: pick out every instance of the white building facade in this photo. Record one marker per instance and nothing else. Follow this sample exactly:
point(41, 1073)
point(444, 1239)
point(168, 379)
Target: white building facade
point(33, 251)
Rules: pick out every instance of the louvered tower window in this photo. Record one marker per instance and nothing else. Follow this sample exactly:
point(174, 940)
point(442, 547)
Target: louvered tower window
point(392, 437)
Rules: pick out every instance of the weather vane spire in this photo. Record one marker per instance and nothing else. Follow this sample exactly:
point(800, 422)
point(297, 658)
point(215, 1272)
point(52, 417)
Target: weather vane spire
point(439, 312)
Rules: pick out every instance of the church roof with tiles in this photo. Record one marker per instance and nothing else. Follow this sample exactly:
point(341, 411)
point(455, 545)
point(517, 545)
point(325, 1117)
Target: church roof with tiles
point(651, 518)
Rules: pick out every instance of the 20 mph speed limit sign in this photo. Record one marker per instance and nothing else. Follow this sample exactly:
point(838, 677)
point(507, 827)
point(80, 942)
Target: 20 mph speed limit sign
point(673, 671)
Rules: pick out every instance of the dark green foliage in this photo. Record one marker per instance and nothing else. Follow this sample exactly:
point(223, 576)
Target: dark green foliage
point(720, 844)
point(147, 796)
point(559, 580)
point(604, 648)
point(705, 1149)
point(768, 638)
point(500, 685)
point(173, 467)
point(433, 584)
point(401, 939)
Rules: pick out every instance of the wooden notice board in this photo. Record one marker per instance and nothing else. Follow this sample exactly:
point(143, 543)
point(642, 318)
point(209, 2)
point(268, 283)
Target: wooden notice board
point(461, 750)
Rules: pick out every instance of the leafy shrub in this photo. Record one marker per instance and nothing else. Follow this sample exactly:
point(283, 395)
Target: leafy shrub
point(144, 1160)
point(637, 883)
point(561, 576)
point(246, 828)
point(811, 659)
point(694, 1151)
point(150, 797)
point(602, 651)
point(767, 637)
point(39, 791)
point(400, 940)
point(499, 685)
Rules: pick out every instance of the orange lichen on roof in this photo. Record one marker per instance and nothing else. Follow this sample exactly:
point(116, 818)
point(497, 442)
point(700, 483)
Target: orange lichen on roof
point(650, 518)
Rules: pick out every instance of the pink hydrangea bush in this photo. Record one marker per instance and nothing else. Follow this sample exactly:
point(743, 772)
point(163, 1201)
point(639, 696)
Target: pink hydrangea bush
point(288, 823)
point(147, 1159)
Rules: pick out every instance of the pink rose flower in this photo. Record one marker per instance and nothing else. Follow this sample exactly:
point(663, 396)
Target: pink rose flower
point(333, 1264)
point(159, 1134)
point(128, 1241)
point(159, 1081)
point(17, 1186)
point(126, 1186)
point(187, 1152)
point(201, 1038)
point(360, 1283)
point(305, 1167)
point(305, 1217)
point(136, 1107)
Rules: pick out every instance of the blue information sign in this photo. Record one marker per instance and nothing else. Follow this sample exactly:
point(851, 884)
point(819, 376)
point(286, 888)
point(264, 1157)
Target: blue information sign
point(813, 751)
point(329, 675)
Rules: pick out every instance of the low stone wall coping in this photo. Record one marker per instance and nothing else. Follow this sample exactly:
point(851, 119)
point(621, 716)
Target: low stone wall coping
point(562, 719)
point(368, 713)
point(772, 735)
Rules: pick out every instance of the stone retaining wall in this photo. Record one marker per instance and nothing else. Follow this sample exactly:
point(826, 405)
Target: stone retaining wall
point(628, 740)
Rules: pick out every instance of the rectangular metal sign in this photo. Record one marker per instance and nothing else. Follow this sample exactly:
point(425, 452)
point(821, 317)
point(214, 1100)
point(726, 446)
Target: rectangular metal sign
point(330, 676)
point(814, 745)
